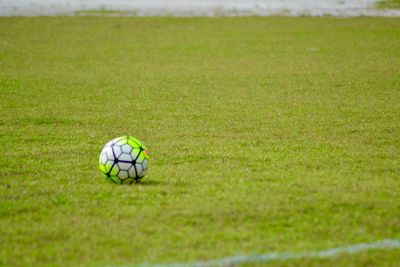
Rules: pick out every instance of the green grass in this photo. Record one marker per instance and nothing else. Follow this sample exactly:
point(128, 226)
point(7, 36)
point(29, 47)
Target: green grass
point(266, 134)
point(388, 4)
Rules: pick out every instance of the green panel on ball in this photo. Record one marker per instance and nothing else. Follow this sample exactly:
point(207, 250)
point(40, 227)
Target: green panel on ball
point(134, 142)
point(141, 157)
point(115, 179)
point(102, 168)
point(114, 170)
point(108, 166)
point(135, 152)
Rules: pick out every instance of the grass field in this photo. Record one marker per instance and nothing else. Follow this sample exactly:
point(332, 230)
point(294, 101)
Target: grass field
point(266, 134)
point(395, 4)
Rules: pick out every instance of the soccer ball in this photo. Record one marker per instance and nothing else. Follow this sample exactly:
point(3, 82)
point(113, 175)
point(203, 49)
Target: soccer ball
point(124, 160)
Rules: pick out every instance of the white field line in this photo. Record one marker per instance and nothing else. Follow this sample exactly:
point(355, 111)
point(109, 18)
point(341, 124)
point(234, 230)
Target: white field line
point(386, 244)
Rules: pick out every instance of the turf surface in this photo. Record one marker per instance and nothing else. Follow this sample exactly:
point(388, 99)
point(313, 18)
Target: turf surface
point(388, 4)
point(266, 134)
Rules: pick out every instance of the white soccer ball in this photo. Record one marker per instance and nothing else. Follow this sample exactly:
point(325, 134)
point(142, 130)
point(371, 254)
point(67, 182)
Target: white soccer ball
point(124, 160)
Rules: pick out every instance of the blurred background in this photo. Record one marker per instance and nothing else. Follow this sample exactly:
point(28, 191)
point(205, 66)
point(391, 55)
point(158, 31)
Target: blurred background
point(343, 8)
